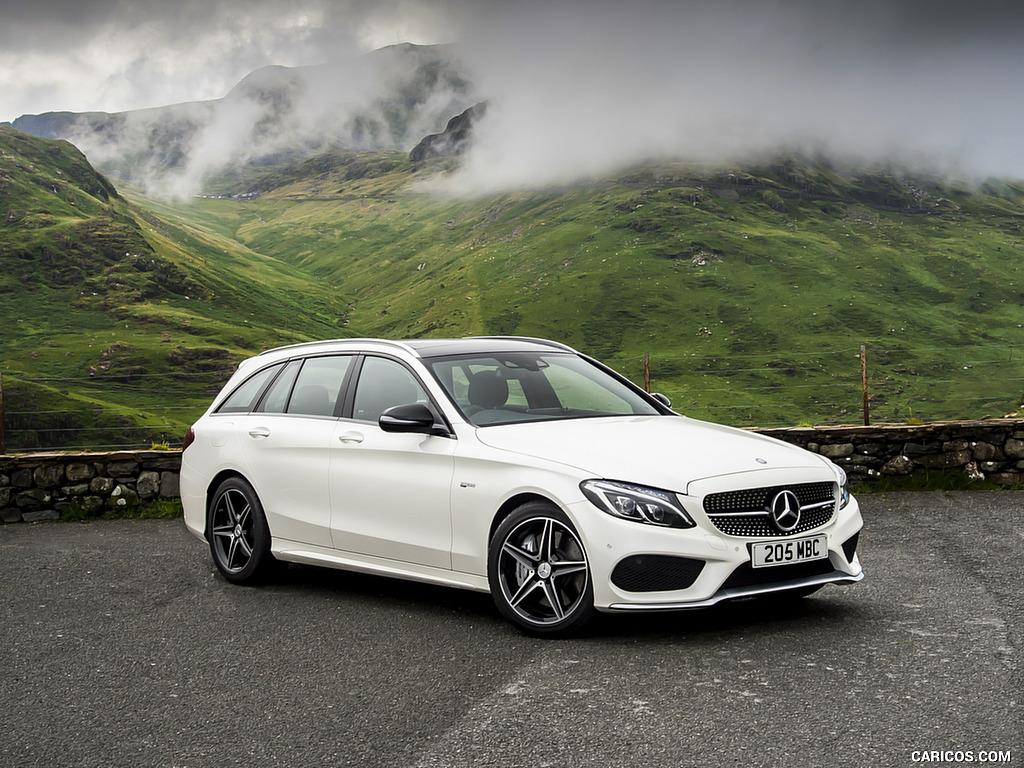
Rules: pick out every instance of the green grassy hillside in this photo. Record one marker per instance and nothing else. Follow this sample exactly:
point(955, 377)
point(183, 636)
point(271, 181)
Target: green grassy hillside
point(119, 324)
point(751, 290)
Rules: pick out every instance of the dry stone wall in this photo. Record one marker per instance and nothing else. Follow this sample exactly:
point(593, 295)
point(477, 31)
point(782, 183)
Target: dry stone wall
point(43, 486)
point(982, 450)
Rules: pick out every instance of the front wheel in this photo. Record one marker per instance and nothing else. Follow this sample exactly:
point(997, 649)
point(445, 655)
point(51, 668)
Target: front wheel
point(238, 533)
point(538, 572)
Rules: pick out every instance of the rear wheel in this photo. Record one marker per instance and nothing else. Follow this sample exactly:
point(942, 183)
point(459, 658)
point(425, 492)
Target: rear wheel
point(538, 572)
point(238, 533)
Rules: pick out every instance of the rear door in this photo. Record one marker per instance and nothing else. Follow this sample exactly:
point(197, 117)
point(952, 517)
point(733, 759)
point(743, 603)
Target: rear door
point(286, 443)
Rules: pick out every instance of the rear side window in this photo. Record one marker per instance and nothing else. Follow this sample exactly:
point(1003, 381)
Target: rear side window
point(277, 396)
point(245, 397)
point(317, 387)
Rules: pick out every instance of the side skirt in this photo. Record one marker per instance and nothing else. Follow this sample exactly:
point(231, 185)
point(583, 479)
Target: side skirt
point(294, 552)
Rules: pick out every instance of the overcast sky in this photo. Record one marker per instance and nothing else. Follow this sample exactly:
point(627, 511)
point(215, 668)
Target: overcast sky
point(114, 55)
point(575, 82)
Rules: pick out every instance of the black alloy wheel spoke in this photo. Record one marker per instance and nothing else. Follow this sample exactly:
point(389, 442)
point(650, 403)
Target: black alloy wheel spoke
point(567, 568)
point(553, 599)
point(524, 558)
point(528, 586)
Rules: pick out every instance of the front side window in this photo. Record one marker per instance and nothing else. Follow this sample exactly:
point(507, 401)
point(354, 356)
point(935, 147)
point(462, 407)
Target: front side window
point(384, 383)
point(526, 386)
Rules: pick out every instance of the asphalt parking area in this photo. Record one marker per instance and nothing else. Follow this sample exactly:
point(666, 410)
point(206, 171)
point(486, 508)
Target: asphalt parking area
point(122, 647)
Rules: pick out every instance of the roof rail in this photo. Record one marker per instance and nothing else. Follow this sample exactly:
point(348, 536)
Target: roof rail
point(545, 342)
point(407, 348)
point(308, 344)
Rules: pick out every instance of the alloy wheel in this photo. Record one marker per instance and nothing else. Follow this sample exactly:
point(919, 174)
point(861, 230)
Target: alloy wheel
point(542, 571)
point(233, 536)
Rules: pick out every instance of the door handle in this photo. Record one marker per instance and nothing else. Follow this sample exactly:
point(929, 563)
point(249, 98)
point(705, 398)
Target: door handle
point(259, 432)
point(351, 437)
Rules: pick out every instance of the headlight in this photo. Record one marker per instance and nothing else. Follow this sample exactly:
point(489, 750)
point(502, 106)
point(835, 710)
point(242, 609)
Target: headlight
point(844, 486)
point(637, 503)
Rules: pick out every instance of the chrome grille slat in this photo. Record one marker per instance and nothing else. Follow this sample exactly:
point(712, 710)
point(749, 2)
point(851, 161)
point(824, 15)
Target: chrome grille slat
point(745, 512)
point(819, 504)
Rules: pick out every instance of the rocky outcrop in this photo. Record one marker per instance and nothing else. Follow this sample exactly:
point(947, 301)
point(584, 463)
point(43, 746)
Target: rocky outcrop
point(454, 140)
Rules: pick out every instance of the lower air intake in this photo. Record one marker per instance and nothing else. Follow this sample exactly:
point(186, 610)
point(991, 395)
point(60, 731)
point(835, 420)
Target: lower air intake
point(656, 573)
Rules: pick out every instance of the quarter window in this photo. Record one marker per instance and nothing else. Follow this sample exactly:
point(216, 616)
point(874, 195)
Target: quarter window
point(243, 399)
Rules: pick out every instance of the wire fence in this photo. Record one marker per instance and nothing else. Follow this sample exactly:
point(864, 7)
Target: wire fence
point(851, 385)
point(106, 411)
point(774, 389)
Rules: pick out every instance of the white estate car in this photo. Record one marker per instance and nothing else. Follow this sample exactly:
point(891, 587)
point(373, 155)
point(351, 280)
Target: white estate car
point(509, 465)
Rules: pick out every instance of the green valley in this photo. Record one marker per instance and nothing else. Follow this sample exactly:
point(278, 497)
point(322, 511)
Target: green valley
point(751, 289)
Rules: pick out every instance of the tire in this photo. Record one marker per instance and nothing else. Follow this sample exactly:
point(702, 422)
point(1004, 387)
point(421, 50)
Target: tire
point(538, 572)
point(239, 537)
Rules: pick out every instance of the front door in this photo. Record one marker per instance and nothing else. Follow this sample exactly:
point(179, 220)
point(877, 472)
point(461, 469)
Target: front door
point(390, 493)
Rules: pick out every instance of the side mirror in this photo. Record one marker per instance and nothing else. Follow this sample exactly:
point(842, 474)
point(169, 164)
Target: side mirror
point(662, 399)
point(407, 418)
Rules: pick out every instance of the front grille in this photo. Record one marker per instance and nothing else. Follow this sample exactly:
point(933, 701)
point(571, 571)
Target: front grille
point(745, 513)
point(656, 573)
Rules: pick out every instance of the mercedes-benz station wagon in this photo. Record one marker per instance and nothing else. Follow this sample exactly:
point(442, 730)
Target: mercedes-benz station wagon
point(512, 466)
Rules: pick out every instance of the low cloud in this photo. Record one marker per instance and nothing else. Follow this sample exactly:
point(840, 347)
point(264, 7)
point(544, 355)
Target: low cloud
point(577, 94)
point(576, 88)
point(388, 99)
point(113, 56)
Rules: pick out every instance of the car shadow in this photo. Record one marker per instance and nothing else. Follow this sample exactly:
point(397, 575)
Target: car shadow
point(742, 617)
point(362, 588)
point(766, 614)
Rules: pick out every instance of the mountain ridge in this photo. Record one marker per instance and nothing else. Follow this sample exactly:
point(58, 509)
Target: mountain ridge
point(386, 99)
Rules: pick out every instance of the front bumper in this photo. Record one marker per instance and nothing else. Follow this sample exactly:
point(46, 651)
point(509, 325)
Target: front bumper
point(736, 593)
point(724, 561)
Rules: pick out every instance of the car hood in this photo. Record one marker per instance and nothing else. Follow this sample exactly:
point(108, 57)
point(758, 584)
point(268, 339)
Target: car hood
point(668, 452)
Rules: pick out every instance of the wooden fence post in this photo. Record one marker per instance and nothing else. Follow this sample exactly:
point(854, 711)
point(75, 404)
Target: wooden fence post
point(864, 383)
point(647, 372)
point(3, 447)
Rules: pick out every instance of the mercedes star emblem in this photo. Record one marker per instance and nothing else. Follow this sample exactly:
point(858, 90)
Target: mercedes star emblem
point(785, 511)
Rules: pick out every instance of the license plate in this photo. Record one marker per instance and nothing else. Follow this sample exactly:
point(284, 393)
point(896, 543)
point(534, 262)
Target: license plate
point(770, 553)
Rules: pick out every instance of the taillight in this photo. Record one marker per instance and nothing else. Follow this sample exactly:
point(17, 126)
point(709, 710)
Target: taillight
point(190, 437)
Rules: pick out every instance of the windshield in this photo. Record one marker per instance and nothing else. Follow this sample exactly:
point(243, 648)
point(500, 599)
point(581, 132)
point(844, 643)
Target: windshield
point(514, 387)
